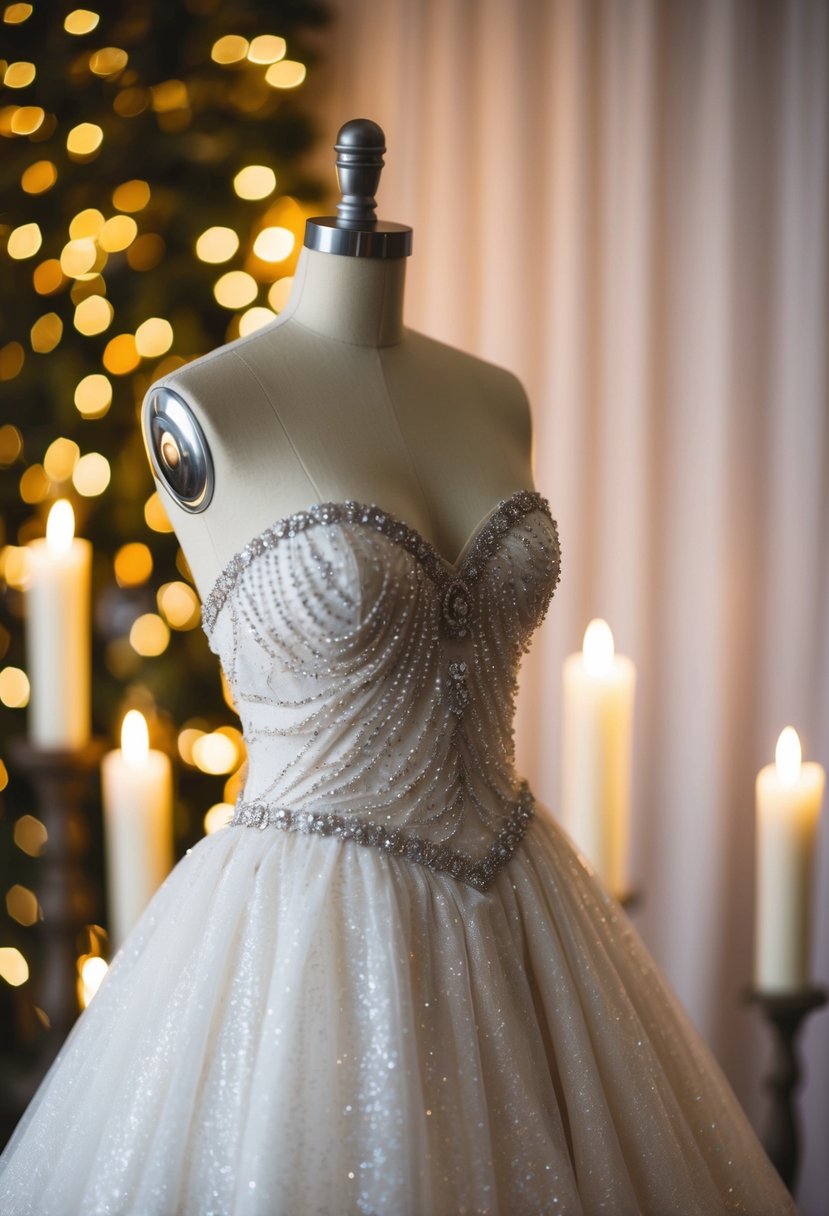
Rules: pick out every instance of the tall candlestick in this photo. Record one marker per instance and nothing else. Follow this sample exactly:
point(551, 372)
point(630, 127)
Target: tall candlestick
point(788, 796)
point(57, 633)
point(137, 792)
point(599, 691)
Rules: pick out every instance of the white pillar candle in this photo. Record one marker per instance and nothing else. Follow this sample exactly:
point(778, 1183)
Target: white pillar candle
point(57, 633)
point(788, 797)
point(137, 795)
point(599, 689)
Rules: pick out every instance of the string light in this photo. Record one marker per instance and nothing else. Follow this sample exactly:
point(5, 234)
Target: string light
point(16, 13)
point(229, 49)
point(39, 177)
point(179, 605)
point(149, 635)
point(93, 395)
point(87, 223)
point(13, 967)
point(19, 74)
point(14, 688)
point(108, 61)
point(255, 182)
point(133, 564)
point(78, 257)
point(253, 319)
point(48, 277)
point(84, 140)
point(217, 244)
point(46, 333)
point(217, 817)
point(27, 119)
point(91, 474)
point(274, 244)
point(81, 21)
point(133, 195)
point(279, 293)
point(153, 337)
point(155, 516)
point(22, 905)
point(24, 241)
point(93, 315)
point(12, 357)
point(30, 835)
point(289, 74)
point(267, 48)
point(121, 355)
point(117, 233)
point(235, 289)
point(34, 487)
point(11, 444)
point(60, 459)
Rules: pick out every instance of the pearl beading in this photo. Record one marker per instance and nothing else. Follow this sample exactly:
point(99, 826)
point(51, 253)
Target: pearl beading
point(478, 873)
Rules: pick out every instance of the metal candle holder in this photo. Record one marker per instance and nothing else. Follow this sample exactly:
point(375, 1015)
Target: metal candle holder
point(68, 893)
point(785, 1012)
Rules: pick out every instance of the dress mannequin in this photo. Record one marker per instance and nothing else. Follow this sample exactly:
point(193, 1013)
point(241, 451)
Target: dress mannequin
point(338, 400)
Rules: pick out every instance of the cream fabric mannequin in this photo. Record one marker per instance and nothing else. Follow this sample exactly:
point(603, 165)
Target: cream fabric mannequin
point(337, 400)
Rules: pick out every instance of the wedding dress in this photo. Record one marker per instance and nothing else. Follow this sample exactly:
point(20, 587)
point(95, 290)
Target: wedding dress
point(391, 985)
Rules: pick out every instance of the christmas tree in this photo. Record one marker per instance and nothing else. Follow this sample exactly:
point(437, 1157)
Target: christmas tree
point(153, 204)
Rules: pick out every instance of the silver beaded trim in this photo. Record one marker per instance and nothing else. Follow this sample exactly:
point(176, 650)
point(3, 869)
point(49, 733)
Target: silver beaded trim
point(478, 873)
point(457, 602)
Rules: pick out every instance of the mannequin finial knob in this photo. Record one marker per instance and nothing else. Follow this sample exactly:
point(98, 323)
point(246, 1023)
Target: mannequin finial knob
point(360, 146)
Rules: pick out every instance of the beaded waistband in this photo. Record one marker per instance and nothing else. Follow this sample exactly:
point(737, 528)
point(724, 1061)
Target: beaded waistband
point(477, 872)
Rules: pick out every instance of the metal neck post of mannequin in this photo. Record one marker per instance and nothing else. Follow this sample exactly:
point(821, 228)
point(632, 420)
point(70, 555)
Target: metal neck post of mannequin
point(355, 230)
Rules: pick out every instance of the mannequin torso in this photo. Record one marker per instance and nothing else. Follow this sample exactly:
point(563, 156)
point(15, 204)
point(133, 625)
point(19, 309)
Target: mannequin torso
point(337, 400)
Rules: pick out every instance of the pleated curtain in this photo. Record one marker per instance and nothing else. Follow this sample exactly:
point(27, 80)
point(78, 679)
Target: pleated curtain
point(625, 203)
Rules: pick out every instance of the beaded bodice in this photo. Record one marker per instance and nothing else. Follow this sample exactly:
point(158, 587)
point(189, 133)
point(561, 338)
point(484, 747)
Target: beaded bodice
point(376, 680)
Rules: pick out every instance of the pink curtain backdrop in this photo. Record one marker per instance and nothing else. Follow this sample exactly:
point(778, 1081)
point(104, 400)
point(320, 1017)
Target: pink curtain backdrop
point(625, 203)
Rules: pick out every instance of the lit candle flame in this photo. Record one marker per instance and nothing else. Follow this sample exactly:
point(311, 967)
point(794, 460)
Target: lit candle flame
point(787, 756)
point(60, 526)
point(598, 648)
point(135, 739)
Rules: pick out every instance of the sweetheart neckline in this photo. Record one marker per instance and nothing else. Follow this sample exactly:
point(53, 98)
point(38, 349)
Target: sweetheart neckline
point(329, 512)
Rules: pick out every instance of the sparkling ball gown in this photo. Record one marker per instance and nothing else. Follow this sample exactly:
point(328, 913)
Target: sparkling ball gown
point(391, 985)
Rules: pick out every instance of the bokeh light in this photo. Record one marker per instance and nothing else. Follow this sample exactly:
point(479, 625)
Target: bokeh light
point(254, 182)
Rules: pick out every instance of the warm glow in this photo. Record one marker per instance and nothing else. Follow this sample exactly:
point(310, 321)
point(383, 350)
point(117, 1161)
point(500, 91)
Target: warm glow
point(60, 459)
point(12, 357)
point(16, 566)
point(229, 49)
point(133, 564)
point(121, 355)
point(24, 241)
point(14, 688)
point(153, 337)
point(267, 48)
point(46, 332)
point(38, 177)
point(78, 257)
point(108, 61)
point(88, 222)
point(217, 244)
point(149, 635)
point(288, 74)
point(60, 526)
point(93, 395)
point(27, 119)
point(254, 319)
point(81, 21)
point(13, 967)
point(788, 756)
point(48, 277)
point(217, 817)
point(235, 289)
point(117, 233)
point(155, 516)
point(132, 195)
point(93, 315)
point(274, 244)
point(179, 605)
point(22, 905)
point(135, 738)
point(280, 292)
point(11, 444)
point(91, 474)
point(30, 835)
point(186, 741)
point(34, 485)
point(84, 139)
point(254, 181)
point(15, 13)
point(92, 969)
point(215, 753)
point(598, 648)
point(19, 74)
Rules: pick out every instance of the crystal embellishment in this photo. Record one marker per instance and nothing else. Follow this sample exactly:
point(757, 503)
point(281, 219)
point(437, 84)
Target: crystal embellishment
point(457, 691)
point(451, 581)
point(476, 872)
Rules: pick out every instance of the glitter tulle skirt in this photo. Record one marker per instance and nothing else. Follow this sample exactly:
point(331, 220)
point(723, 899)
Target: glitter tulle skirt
point(299, 1026)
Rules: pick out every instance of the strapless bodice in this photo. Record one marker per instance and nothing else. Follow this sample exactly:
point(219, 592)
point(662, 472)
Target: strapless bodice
point(376, 680)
